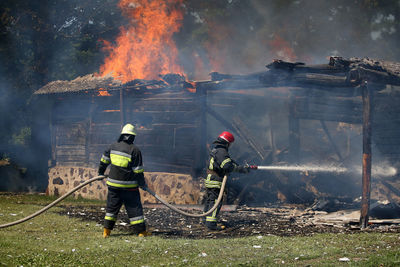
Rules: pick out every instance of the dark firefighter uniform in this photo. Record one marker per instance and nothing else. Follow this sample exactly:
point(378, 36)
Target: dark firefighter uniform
point(125, 177)
point(219, 165)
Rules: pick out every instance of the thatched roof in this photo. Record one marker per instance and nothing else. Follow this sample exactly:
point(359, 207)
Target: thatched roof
point(80, 84)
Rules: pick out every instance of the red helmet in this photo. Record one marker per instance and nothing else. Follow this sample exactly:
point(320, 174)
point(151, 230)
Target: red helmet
point(227, 136)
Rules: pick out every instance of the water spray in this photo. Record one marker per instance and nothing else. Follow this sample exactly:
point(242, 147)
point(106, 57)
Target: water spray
point(379, 170)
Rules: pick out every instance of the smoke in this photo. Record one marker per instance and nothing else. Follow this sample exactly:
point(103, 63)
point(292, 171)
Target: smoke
point(242, 36)
point(63, 42)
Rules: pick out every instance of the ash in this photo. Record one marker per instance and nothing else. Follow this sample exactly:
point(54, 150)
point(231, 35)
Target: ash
point(286, 220)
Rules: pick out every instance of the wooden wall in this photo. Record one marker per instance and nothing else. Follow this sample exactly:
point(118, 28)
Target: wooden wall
point(386, 126)
point(168, 123)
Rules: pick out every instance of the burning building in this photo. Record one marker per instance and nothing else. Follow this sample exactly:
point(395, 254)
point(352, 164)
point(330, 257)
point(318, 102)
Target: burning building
point(290, 113)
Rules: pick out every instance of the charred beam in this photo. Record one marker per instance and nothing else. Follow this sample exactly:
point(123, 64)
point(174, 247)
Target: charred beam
point(247, 137)
point(323, 124)
point(367, 157)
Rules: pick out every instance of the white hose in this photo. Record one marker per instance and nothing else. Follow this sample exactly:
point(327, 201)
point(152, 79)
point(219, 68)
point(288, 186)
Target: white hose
point(146, 189)
point(221, 193)
point(53, 203)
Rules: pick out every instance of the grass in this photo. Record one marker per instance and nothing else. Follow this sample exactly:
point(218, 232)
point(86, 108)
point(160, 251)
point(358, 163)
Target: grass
point(55, 240)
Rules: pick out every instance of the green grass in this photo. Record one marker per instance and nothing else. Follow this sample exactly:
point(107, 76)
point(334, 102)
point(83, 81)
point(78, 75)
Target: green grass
point(54, 240)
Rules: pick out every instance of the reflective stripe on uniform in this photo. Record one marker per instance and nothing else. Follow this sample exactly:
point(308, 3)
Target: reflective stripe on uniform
point(138, 169)
point(213, 217)
point(136, 220)
point(105, 159)
point(212, 184)
point(225, 161)
point(210, 219)
point(122, 184)
point(120, 159)
point(110, 217)
point(211, 166)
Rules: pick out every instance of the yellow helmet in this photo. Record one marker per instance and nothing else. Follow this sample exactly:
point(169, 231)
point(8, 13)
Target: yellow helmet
point(128, 129)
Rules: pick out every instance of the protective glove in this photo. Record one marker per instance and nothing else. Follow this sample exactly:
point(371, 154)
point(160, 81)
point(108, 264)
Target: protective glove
point(142, 183)
point(243, 169)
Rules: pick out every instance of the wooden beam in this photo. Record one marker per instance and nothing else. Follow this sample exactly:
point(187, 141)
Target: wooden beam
point(202, 151)
point(294, 132)
point(367, 98)
point(121, 107)
point(246, 136)
point(323, 124)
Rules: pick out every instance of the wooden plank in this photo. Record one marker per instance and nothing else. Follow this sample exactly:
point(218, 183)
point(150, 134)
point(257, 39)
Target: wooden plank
point(78, 150)
point(320, 79)
point(381, 143)
point(63, 108)
point(328, 117)
point(335, 101)
point(185, 117)
point(389, 148)
point(70, 133)
point(308, 106)
point(163, 105)
point(107, 116)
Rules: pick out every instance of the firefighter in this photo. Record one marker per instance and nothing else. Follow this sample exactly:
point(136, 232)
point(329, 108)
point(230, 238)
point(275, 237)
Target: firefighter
point(219, 165)
point(125, 178)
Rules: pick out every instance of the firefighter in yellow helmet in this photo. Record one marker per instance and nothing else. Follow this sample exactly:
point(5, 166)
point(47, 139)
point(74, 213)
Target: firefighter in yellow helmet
point(125, 178)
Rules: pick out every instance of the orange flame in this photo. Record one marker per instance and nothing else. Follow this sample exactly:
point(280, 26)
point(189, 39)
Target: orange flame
point(103, 92)
point(145, 49)
point(282, 49)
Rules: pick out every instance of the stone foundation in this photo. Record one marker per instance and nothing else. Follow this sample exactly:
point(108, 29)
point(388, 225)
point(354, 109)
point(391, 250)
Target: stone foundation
point(174, 187)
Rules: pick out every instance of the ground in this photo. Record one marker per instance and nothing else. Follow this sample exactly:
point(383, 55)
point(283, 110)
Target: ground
point(283, 220)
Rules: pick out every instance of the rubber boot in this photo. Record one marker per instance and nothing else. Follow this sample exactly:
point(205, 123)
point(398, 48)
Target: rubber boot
point(144, 233)
point(106, 232)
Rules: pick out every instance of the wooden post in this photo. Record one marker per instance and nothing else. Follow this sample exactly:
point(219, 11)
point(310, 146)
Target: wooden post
point(294, 132)
point(367, 98)
point(52, 137)
point(121, 107)
point(202, 152)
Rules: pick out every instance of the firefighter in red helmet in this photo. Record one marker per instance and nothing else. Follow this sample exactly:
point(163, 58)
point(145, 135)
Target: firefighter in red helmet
point(125, 178)
point(219, 165)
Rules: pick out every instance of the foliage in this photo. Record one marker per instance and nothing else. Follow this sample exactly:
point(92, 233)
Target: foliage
point(23, 136)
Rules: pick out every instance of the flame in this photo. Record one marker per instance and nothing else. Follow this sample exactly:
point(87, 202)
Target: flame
point(282, 49)
point(103, 92)
point(145, 49)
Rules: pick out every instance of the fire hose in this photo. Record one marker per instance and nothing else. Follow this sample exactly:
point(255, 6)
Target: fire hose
point(101, 177)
